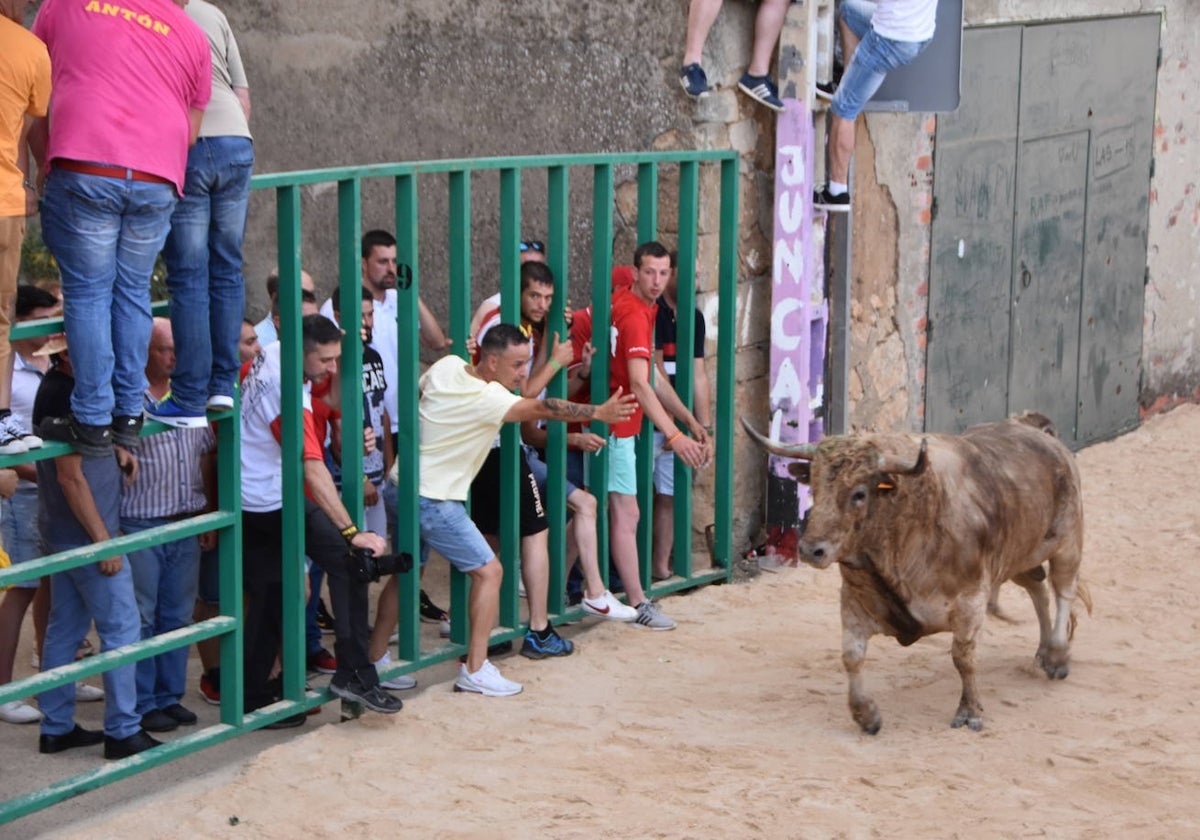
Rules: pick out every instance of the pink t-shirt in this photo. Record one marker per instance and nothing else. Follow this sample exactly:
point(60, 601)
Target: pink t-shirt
point(125, 76)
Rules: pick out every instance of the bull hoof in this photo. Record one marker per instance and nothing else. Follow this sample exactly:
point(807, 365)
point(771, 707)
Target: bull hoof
point(972, 722)
point(867, 716)
point(1056, 666)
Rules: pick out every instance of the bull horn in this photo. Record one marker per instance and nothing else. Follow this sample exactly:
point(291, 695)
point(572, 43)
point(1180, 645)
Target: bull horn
point(799, 451)
point(894, 466)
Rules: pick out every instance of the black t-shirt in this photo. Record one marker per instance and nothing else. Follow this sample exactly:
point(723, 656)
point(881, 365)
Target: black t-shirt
point(665, 333)
point(59, 528)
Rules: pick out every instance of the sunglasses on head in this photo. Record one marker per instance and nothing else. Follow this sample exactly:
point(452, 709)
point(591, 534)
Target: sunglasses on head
point(535, 245)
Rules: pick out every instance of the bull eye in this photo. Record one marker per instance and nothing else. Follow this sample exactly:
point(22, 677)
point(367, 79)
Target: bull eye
point(859, 496)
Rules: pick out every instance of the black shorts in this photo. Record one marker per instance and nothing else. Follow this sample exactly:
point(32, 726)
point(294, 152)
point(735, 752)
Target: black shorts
point(486, 494)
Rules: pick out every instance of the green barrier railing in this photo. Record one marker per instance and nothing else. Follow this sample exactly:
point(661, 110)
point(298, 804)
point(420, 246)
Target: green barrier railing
point(406, 179)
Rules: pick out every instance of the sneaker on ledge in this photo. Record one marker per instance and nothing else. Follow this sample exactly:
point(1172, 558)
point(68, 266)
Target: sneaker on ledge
point(486, 681)
point(762, 90)
point(826, 90)
point(92, 441)
point(823, 199)
point(126, 430)
point(374, 698)
point(171, 413)
point(649, 615)
point(220, 402)
point(322, 661)
point(607, 606)
point(12, 428)
point(693, 80)
point(400, 682)
point(540, 644)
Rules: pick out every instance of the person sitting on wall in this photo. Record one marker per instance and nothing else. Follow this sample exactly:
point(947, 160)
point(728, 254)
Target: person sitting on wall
point(756, 81)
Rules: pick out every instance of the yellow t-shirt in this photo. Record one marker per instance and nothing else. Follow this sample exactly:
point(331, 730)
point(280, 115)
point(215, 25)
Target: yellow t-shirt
point(24, 89)
point(460, 416)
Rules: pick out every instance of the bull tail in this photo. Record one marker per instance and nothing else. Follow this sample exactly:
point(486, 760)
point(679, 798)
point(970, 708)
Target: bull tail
point(1082, 595)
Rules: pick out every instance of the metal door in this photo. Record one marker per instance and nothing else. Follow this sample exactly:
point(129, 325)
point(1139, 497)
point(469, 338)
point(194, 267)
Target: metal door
point(1063, 148)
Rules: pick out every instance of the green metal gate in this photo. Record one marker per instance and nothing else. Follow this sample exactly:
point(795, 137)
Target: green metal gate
point(405, 178)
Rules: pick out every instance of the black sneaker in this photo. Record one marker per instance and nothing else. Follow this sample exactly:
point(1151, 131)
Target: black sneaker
point(92, 441)
point(431, 613)
point(762, 90)
point(158, 720)
point(290, 722)
point(823, 200)
point(126, 430)
point(826, 90)
point(374, 698)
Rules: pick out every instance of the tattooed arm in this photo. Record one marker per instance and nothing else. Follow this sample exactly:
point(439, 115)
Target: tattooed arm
point(616, 408)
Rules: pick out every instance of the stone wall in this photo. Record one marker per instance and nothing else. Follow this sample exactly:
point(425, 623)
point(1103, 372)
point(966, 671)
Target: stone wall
point(347, 83)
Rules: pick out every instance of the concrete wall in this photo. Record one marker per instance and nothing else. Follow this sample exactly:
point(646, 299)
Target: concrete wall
point(341, 83)
point(894, 163)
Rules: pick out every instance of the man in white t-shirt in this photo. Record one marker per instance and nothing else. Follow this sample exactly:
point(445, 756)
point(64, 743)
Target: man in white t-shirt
point(877, 37)
point(462, 409)
point(331, 537)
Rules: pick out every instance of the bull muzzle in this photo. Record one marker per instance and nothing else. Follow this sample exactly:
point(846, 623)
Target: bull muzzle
point(819, 554)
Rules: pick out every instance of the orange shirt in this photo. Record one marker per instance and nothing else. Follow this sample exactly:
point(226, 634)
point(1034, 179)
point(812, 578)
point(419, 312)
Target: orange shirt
point(24, 90)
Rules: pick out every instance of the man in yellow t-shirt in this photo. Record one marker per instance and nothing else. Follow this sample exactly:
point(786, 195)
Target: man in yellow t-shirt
point(462, 409)
point(24, 93)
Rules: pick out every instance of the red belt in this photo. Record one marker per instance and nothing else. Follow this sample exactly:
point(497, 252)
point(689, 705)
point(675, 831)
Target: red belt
point(119, 172)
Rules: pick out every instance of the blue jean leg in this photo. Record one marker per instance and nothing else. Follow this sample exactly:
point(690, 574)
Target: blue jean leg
point(164, 581)
point(105, 235)
point(78, 597)
point(18, 524)
point(203, 253)
point(873, 59)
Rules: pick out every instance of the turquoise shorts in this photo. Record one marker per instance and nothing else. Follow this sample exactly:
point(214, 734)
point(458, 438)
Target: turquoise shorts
point(622, 466)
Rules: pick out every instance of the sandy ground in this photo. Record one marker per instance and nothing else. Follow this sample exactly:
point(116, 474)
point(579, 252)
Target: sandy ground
point(736, 724)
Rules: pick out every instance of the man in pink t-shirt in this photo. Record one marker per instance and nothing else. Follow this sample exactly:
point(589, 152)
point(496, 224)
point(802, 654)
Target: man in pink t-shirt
point(131, 82)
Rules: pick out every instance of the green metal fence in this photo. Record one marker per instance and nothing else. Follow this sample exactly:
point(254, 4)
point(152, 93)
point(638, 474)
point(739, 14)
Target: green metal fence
point(405, 179)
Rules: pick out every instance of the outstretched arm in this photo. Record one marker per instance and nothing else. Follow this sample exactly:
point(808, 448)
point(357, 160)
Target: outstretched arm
point(616, 408)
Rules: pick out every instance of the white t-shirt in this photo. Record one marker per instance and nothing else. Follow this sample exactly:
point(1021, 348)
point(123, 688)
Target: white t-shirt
point(262, 459)
point(905, 20)
point(460, 416)
point(384, 339)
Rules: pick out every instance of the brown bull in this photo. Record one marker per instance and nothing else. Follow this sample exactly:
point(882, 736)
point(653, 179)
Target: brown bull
point(925, 527)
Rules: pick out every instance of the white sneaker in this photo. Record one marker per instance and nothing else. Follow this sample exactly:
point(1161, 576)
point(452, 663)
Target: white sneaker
point(649, 615)
point(85, 693)
point(486, 681)
point(607, 606)
point(400, 682)
point(219, 402)
point(18, 711)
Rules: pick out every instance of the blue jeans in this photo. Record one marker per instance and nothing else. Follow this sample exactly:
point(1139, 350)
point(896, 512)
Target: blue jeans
point(204, 269)
point(105, 234)
point(77, 597)
point(873, 59)
point(164, 583)
point(18, 525)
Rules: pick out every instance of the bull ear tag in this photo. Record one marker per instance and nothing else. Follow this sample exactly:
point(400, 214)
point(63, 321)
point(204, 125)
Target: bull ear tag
point(885, 486)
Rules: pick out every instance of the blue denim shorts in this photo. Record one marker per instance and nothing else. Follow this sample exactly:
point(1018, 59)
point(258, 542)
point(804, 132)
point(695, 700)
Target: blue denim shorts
point(447, 528)
point(622, 465)
point(664, 467)
point(18, 524)
point(873, 59)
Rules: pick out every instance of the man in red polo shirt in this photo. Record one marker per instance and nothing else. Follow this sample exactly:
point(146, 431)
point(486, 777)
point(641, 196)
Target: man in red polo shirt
point(631, 345)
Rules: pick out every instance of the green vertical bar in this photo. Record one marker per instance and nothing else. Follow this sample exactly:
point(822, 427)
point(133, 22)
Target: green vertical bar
point(510, 436)
point(557, 248)
point(229, 563)
point(685, 333)
point(460, 259)
point(727, 301)
point(407, 525)
point(647, 225)
point(350, 306)
point(291, 359)
point(602, 238)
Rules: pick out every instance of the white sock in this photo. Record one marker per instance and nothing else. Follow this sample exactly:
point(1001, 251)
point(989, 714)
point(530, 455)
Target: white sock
point(836, 188)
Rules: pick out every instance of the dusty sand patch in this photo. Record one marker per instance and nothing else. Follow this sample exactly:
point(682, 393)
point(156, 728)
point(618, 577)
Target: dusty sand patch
point(736, 725)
